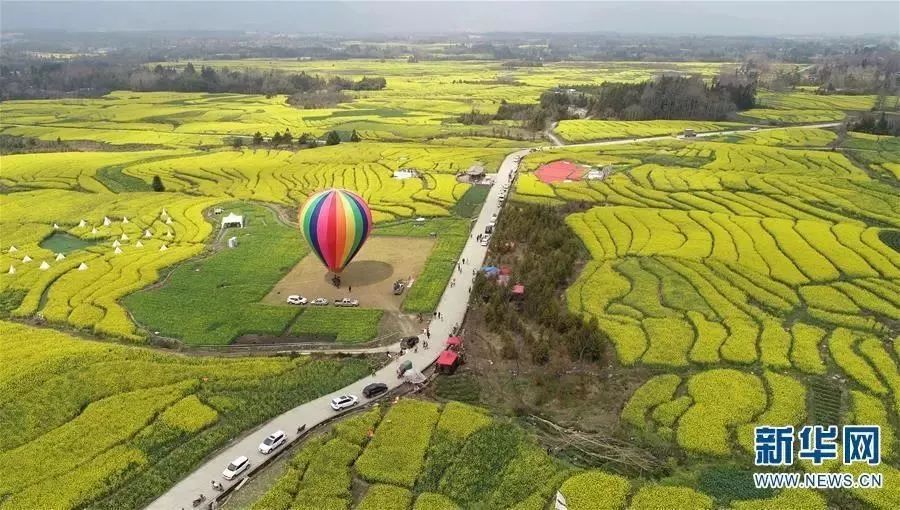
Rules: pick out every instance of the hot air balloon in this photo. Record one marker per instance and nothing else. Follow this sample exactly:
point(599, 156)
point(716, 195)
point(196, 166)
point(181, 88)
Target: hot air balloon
point(335, 223)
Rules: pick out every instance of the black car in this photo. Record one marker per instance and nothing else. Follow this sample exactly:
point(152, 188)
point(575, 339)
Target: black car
point(408, 342)
point(374, 389)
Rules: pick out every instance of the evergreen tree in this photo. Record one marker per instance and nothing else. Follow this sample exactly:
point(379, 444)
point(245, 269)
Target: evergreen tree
point(157, 184)
point(354, 137)
point(257, 138)
point(333, 138)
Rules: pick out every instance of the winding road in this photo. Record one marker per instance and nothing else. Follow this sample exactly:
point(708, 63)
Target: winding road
point(452, 310)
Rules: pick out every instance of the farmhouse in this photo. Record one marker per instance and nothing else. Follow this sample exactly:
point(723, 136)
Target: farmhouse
point(233, 220)
point(475, 172)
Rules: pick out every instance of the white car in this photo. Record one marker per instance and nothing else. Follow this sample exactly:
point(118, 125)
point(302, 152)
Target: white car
point(237, 466)
point(319, 301)
point(754, 129)
point(272, 442)
point(296, 299)
point(346, 302)
point(344, 402)
point(485, 240)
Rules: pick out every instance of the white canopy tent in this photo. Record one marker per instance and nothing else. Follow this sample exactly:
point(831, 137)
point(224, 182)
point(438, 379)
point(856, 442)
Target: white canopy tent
point(233, 220)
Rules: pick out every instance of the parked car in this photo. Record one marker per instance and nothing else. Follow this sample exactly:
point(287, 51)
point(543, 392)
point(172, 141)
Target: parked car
point(296, 299)
point(344, 402)
point(408, 342)
point(237, 466)
point(374, 389)
point(346, 302)
point(272, 442)
point(489, 228)
point(754, 129)
point(399, 287)
point(319, 301)
point(486, 240)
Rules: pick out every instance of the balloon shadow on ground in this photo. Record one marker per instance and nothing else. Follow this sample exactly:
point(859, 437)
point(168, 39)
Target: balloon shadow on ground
point(364, 272)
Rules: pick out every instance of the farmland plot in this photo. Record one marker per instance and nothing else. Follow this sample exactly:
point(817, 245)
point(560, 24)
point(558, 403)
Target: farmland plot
point(756, 259)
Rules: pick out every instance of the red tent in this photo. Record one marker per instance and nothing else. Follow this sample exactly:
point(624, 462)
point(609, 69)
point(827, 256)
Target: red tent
point(518, 289)
point(454, 343)
point(447, 362)
point(505, 270)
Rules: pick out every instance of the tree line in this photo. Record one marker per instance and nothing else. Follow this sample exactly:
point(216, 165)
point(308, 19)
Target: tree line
point(96, 78)
point(286, 139)
point(668, 97)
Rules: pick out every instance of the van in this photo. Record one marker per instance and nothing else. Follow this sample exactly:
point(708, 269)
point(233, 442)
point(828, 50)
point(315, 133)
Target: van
point(489, 229)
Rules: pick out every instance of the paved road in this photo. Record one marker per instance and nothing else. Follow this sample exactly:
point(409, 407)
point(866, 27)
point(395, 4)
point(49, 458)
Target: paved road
point(452, 309)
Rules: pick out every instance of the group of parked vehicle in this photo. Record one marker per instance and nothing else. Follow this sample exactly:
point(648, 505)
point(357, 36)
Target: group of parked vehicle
point(297, 299)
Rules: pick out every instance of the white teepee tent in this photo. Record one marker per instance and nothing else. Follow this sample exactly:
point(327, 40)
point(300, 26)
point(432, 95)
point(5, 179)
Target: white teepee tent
point(106, 221)
point(124, 236)
point(118, 250)
point(124, 219)
point(138, 244)
point(82, 267)
point(94, 230)
point(168, 221)
point(12, 270)
point(116, 243)
point(82, 223)
point(13, 249)
point(163, 248)
point(56, 226)
point(148, 234)
point(26, 259)
point(60, 256)
point(44, 266)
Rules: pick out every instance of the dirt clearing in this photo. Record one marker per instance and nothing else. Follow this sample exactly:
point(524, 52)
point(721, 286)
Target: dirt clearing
point(380, 262)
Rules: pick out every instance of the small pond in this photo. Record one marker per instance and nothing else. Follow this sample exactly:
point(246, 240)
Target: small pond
point(64, 242)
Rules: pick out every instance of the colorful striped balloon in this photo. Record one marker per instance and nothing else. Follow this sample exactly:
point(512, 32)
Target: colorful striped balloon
point(335, 223)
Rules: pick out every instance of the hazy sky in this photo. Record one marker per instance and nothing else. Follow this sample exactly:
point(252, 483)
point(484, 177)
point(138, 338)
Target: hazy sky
point(667, 17)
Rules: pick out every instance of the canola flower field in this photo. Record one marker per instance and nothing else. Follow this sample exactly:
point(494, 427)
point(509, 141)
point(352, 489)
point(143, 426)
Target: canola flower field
point(427, 456)
point(752, 273)
point(104, 426)
point(752, 269)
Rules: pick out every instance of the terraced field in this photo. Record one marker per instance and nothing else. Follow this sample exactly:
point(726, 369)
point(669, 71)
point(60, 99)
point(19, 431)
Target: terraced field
point(106, 198)
point(421, 102)
point(575, 131)
point(743, 270)
point(96, 425)
point(426, 456)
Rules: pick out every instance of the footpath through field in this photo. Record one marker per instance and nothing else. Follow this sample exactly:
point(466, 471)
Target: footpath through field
point(452, 309)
